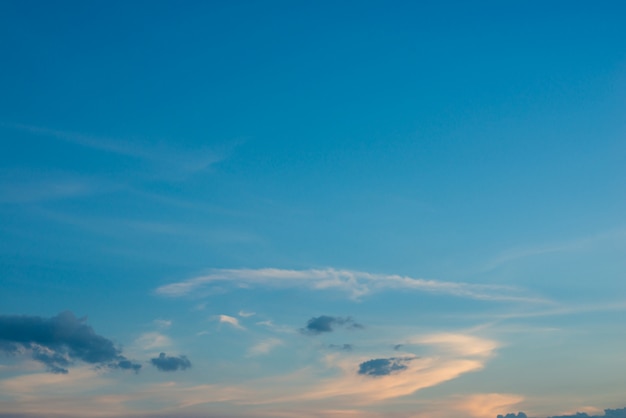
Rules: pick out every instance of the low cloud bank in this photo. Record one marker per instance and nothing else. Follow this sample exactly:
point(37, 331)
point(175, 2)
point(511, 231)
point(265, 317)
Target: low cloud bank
point(608, 413)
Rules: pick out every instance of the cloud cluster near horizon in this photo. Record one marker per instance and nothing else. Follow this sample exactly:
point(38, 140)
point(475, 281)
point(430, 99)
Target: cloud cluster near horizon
point(59, 342)
point(356, 284)
point(608, 413)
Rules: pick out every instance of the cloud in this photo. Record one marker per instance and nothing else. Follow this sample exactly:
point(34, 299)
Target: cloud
point(245, 314)
point(225, 319)
point(447, 356)
point(354, 283)
point(608, 413)
point(128, 365)
point(276, 328)
point(167, 363)
point(59, 341)
point(481, 405)
point(160, 154)
point(454, 344)
point(264, 347)
point(18, 187)
point(153, 340)
point(163, 323)
point(326, 323)
point(384, 366)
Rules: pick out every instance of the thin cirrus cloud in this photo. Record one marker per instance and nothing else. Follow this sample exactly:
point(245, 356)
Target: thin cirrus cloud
point(264, 347)
point(59, 342)
point(356, 284)
point(19, 187)
point(152, 340)
point(188, 161)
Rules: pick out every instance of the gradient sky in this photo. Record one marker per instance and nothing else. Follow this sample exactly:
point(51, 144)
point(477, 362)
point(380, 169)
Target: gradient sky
point(312, 209)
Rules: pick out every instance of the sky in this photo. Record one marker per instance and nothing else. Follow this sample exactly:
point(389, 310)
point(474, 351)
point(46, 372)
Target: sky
point(312, 209)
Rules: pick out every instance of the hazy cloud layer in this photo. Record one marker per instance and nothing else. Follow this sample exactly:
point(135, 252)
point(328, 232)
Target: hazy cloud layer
point(59, 341)
point(327, 323)
point(167, 363)
point(608, 413)
point(355, 283)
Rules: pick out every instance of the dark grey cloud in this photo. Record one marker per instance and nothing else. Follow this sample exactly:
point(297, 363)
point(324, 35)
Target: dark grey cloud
point(325, 323)
point(518, 415)
point(384, 366)
point(59, 341)
point(167, 363)
point(398, 346)
point(126, 364)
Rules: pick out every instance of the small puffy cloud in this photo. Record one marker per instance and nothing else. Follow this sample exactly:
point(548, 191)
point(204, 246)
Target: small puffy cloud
point(167, 363)
point(384, 366)
point(325, 323)
point(225, 319)
point(59, 341)
point(245, 314)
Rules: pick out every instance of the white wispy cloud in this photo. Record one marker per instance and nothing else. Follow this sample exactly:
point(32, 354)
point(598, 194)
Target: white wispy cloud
point(577, 244)
point(269, 324)
point(152, 341)
point(31, 185)
point(163, 323)
point(159, 152)
point(230, 320)
point(354, 283)
point(245, 314)
point(264, 347)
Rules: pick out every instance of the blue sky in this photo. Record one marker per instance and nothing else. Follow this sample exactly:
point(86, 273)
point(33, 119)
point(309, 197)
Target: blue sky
point(306, 209)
